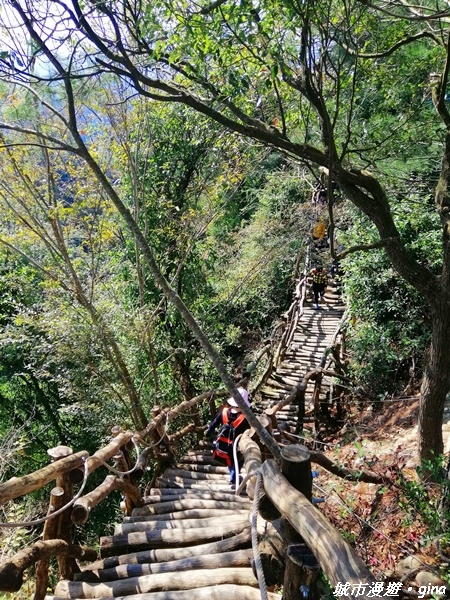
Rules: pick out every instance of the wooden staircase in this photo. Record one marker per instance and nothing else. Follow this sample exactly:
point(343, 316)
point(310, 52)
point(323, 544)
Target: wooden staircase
point(313, 335)
point(190, 540)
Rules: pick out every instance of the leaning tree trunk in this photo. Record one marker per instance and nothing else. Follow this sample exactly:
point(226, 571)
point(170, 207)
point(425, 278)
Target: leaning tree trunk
point(435, 384)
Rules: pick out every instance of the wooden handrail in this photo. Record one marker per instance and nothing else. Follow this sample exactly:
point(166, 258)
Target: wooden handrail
point(336, 557)
point(11, 572)
point(20, 486)
point(338, 560)
point(82, 507)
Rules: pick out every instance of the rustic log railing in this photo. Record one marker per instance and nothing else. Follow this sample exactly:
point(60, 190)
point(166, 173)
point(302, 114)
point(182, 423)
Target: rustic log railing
point(66, 510)
point(287, 495)
point(297, 395)
point(295, 311)
point(291, 317)
point(277, 343)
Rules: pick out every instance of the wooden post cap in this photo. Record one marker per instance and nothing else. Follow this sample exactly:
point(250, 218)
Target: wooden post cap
point(296, 453)
point(57, 491)
point(296, 467)
point(116, 430)
point(59, 452)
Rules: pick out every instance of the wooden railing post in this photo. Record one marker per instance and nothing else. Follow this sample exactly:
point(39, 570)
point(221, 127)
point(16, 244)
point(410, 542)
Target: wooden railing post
point(296, 467)
point(122, 463)
point(50, 533)
point(159, 435)
point(316, 399)
point(59, 527)
point(67, 564)
point(212, 405)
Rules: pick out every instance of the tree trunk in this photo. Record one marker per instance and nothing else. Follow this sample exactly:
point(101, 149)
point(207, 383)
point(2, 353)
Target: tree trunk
point(435, 384)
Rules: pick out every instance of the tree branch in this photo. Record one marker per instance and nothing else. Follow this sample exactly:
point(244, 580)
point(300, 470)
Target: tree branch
point(403, 42)
point(363, 248)
point(366, 476)
point(36, 265)
point(59, 145)
point(11, 572)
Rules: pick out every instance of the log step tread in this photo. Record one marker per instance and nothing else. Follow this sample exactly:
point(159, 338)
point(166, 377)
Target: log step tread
point(172, 524)
point(214, 592)
point(183, 515)
point(236, 542)
point(236, 558)
point(159, 538)
point(193, 484)
point(202, 468)
point(211, 475)
point(178, 493)
point(185, 505)
point(183, 580)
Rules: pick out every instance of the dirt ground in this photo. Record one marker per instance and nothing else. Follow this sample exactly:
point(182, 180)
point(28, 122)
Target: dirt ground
point(382, 522)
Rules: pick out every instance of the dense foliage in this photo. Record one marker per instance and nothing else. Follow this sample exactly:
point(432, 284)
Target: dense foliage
point(390, 325)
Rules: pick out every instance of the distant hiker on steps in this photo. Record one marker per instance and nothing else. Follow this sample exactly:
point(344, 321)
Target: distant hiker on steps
point(319, 282)
point(319, 231)
point(232, 423)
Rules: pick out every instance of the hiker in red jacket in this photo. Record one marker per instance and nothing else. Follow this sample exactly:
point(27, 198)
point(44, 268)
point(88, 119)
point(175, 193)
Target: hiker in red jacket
point(232, 423)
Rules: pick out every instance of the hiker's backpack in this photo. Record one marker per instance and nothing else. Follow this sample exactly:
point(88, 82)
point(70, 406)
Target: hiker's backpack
point(222, 453)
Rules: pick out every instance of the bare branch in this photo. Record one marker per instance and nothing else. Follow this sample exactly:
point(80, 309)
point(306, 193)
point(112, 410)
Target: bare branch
point(321, 459)
point(58, 144)
point(207, 10)
point(415, 16)
point(36, 265)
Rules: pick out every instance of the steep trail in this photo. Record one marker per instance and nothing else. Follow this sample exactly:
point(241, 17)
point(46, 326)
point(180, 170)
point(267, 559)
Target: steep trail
point(192, 537)
point(314, 334)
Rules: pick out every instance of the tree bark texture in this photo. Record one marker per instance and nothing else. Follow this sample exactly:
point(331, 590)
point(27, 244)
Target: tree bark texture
point(435, 382)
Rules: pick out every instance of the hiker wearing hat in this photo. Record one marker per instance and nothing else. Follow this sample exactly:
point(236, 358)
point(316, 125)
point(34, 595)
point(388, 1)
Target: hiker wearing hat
point(232, 423)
